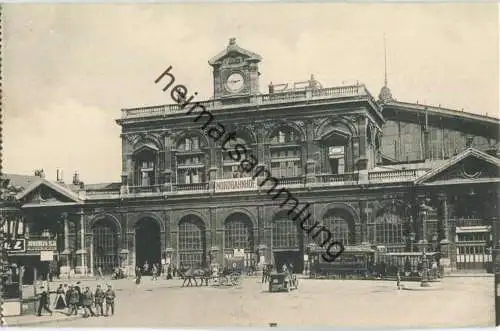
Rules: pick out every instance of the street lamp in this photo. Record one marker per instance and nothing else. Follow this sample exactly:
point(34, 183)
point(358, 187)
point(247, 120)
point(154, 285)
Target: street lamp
point(434, 240)
point(412, 239)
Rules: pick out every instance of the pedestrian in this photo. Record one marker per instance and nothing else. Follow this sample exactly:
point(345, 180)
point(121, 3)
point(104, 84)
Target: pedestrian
point(398, 280)
point(74, 299)
point(110, 300)
point(87, 301)
point(80, 296)
point(99, 300)
point(60, 298)
point(43, 302)
point(138, 275)
point(67, 296)
point(169, 272)
point(154, 272)
point(99, 272)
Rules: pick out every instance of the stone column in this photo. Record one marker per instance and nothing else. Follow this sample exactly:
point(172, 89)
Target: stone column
point(445, 244)
point(81, 252)
point(361, 159)
point(65, 270)
point(311, 149)
point(363, 208)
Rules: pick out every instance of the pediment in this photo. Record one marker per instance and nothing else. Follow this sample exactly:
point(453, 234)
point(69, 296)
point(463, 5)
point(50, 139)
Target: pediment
point(46, 193)
point(234, 55)
point(470, 166)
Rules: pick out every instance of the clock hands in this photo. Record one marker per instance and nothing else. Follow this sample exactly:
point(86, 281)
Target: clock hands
point(235, 81)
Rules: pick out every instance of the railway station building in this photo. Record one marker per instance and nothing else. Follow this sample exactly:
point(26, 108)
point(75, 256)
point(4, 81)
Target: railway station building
point(378, 172)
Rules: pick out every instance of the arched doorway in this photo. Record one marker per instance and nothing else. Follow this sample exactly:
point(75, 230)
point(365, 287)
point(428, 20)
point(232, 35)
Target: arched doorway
point(287, 242)
point(341, 225)
point(105, 245)
point(238, 235)
point(192, 242)
point(147, 242)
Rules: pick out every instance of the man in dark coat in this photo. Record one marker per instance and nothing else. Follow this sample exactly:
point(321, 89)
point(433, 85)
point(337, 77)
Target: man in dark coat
point(43, 302)
point(80, 297)
point(74, 299)
point(99, 300)
point(110, 300)
point(87, 301)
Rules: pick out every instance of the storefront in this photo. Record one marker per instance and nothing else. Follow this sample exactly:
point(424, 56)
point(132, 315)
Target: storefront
point(36, 257)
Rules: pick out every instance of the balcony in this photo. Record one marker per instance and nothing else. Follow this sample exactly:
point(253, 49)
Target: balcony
point(262, 99)
point(190, 188)
point(470, 222)
point(395, 176)
point(250, 184)
point(337, 179)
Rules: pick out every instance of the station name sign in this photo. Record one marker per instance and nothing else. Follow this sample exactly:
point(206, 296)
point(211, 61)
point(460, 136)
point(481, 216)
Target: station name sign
point(41, 245)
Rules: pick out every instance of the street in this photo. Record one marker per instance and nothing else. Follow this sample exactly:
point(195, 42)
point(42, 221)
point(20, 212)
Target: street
point(455, 302)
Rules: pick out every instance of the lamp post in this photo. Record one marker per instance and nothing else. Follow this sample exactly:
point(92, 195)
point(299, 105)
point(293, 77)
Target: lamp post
point(435, 241)
point(412, 239)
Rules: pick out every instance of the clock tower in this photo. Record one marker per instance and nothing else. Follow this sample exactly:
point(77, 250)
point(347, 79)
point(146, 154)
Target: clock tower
point(236, 74)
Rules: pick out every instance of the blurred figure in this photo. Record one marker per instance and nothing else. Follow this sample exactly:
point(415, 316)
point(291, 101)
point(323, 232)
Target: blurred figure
point(110, 300)
point(43, 302)
point(99, 300)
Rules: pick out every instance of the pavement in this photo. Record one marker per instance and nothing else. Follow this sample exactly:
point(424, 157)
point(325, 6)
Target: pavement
point(340, 303)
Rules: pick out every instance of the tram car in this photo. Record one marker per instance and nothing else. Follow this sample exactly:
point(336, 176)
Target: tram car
point(355, 261)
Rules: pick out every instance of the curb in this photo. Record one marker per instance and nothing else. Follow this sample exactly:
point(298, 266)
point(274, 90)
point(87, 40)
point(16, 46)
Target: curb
point(44, 321)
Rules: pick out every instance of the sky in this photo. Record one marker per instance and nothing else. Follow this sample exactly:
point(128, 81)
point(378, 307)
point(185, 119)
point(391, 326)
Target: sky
point(68, 69)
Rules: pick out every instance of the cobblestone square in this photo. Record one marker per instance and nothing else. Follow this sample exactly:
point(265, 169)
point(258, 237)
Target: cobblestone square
point(455, 302)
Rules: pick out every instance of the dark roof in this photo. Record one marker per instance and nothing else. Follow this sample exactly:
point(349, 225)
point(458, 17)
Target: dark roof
point(441, 111)
point(22, 181)
point(102, 186)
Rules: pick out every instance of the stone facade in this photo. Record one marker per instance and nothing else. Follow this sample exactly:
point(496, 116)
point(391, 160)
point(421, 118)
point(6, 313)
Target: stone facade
point(375, 173)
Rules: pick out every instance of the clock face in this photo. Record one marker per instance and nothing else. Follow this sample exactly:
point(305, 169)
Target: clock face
point(235, 82)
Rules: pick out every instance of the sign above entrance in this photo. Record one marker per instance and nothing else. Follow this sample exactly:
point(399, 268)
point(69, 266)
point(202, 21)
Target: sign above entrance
point(42, 245)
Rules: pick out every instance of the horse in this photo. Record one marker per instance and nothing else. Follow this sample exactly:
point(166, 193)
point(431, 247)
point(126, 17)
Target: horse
point(190, 274)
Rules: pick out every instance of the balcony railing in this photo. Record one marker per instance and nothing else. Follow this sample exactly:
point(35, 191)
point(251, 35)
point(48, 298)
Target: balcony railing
point(203, 187)
point(466, 222)
point(249, 184)
point(272, 98)
point(394, 176)
point(338, 179)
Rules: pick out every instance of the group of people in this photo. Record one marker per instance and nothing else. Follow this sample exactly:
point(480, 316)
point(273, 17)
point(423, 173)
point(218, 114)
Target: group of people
point(72, 298)
point(156, 271)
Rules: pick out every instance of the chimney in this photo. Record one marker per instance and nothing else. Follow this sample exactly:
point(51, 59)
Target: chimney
point(76, 178)
point(60, 177)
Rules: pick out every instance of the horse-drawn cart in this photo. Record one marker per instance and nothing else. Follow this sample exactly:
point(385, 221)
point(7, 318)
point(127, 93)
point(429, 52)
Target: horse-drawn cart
point(283, 281)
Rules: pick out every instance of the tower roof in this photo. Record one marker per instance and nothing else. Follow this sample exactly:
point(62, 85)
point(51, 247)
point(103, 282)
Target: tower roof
point(232, 47)
point(385, 94)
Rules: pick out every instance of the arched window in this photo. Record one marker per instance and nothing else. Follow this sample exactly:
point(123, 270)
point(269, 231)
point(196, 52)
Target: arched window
point(339, 229)
point(285, 233)
point(388, 228)
point(238, 232)
point(192, 242)
point(105, 245)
